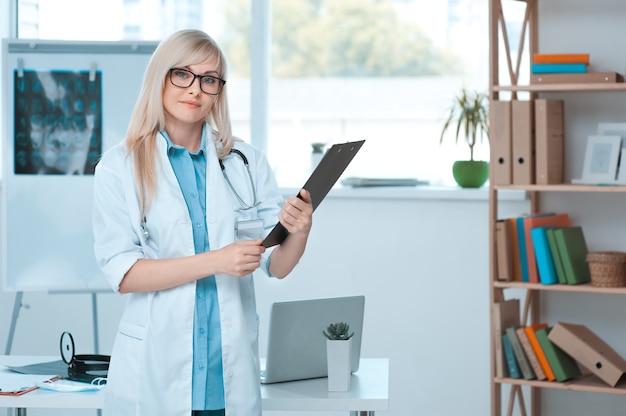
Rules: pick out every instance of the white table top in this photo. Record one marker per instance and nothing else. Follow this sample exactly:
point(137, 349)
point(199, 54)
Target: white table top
point(369, 391)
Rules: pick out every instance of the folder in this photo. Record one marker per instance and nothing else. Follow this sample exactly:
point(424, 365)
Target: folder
point(589, 350)
point(556, 220)
point(522, 116)
point(500, 142)
point(549, 141)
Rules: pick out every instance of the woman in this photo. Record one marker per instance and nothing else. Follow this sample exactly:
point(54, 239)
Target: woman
point(182, 235)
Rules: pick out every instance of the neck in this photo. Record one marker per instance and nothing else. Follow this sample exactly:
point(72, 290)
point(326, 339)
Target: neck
point(187, 135)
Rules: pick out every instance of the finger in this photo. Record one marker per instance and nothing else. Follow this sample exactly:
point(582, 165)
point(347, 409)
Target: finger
point(305, 195)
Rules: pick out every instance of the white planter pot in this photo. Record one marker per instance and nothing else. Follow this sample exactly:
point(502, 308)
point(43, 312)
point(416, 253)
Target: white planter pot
point(339, 355)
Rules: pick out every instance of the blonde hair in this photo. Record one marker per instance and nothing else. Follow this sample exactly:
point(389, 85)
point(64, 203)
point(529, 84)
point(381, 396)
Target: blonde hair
point(180, 49)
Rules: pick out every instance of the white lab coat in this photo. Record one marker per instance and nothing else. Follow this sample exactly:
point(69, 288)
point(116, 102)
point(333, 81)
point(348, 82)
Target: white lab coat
point(151, 362)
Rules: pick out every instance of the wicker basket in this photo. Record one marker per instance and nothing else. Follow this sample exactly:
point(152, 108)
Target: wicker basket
point(608, 268)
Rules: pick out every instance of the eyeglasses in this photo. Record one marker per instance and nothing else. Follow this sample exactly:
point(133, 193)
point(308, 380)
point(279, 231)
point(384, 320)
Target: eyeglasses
point(184, 78)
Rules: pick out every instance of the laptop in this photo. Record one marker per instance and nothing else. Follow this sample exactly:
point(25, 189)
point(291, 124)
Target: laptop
point(296, 347)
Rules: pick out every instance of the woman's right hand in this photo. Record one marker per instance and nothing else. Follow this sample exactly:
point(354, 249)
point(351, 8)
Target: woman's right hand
point(240, 258)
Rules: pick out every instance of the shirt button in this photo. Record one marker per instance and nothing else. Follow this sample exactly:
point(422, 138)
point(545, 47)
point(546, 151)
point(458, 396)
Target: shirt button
point(199, 225)
point(229, 373)
point(201, 367)
point(212, 220)
point(201, 331)
point(228, 323)
point(193, 195)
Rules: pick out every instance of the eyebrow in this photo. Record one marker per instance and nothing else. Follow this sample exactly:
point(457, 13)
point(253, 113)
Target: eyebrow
point(210, 72)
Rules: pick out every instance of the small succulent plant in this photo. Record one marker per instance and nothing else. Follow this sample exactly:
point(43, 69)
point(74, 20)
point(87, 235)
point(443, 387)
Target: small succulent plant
point(338, 331)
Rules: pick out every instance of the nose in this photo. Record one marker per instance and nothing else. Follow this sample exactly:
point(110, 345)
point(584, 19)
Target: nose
point(196, 86)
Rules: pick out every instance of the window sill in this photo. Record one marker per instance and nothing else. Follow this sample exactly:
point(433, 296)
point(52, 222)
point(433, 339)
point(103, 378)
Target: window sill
point(426, 192)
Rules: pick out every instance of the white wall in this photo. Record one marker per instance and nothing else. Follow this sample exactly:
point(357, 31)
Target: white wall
point(421, 263)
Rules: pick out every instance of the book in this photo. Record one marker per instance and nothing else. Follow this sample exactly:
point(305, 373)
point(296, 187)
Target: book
point(546, 220)
point(520, 355)
point(561, 58)
point(545, 262)
point(573, 250)
point(504, 254)
point(521, 243)
point(563, 366)
point(587, 77)
point(511, 361)
point(516, 266)
point(541, 356)
point(504, 314)
point(530, 354)
point(556, 256)
point(566, 68)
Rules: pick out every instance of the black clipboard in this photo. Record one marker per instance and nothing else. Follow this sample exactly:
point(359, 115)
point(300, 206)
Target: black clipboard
point(333, 164)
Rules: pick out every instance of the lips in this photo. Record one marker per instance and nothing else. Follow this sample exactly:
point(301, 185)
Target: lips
point(191, 104)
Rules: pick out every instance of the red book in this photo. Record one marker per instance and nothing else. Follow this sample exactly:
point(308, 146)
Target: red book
point(556, 220)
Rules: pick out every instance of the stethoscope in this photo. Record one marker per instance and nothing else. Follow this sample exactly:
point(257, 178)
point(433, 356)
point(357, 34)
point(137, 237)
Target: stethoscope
point(82, 367)
point(244, 205)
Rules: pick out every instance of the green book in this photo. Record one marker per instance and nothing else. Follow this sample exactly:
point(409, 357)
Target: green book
point(556, 256)
point(522, 360)
point(573, 251)
point(511, 361)
point(563, 365)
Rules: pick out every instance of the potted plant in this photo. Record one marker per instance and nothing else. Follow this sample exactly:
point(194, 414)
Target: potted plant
point(339, 353)
point(470, 116)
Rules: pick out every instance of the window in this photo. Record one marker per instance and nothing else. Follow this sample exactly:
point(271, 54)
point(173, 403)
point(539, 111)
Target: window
point(339, 70)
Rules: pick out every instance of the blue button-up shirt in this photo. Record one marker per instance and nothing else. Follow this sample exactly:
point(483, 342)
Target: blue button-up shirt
point(208, 380)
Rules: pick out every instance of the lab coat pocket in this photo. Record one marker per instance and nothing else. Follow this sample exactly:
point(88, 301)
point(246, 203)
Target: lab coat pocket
point(126, 361)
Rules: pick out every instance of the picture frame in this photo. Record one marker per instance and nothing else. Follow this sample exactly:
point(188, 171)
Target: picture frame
point(601, 159)
point(616, 129)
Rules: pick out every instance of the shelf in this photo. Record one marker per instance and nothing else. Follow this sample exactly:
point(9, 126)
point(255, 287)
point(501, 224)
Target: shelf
point(588, 383)
point(595, 87)
point(583, 288)
point(565, 187)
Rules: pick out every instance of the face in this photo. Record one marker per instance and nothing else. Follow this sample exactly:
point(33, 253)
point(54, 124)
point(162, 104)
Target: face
point(189, 106)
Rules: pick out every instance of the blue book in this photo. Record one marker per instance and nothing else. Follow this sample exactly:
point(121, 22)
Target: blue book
point(509, 355)
point(521, 238)
point(523, 259)
point(558, 68)
point(543, 256)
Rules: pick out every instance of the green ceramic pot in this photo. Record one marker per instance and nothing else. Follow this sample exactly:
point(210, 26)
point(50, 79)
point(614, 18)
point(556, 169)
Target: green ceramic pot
point(470, 173)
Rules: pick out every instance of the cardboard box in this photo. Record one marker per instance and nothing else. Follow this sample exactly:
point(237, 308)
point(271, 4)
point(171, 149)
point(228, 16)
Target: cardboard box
point(589, 351)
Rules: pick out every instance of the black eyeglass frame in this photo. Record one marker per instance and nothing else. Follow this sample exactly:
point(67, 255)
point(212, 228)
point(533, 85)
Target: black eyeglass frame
point(221, 81)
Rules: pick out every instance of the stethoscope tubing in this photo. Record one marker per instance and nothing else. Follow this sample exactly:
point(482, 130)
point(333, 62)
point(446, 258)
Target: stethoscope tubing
point(244, 205)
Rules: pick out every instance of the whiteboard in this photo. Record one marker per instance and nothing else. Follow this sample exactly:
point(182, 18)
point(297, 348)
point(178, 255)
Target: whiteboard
point(47, 189)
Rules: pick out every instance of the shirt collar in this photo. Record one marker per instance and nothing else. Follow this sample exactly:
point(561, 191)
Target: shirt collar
point(171, 147)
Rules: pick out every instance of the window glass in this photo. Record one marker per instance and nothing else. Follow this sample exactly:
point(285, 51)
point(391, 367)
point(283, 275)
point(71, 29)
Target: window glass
point(381, 70)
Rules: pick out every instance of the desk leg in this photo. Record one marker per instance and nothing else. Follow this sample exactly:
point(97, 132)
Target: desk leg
point(20, 411)
point(362, 413)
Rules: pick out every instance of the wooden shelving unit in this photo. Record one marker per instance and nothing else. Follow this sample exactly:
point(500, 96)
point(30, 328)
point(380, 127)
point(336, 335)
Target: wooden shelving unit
point(531, 308)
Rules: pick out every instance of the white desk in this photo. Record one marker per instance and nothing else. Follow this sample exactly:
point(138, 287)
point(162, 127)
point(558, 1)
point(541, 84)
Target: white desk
point(369, 392)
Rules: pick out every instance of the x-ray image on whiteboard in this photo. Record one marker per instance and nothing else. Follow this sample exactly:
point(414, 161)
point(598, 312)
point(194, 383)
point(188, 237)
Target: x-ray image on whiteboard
point(58, 128)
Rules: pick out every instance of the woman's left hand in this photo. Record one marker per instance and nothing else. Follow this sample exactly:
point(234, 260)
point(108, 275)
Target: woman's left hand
point(297, 213)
